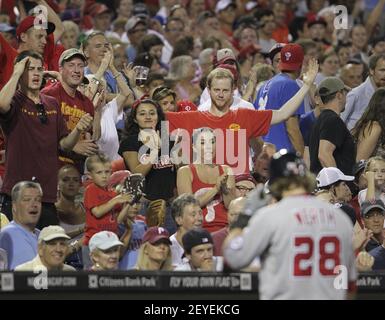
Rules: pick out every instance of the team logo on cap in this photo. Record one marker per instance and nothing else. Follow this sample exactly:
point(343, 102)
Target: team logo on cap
point(160, 230)
point(287, 56)
point(204, 240)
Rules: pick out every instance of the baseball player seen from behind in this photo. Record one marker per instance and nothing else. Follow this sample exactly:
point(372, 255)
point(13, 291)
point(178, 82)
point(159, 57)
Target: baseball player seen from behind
point(300, 240)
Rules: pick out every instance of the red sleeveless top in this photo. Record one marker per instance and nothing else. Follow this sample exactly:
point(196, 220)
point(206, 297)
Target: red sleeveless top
point(215, 213)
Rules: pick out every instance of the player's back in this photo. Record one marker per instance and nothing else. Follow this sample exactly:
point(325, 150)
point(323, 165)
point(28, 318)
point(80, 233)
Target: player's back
point(308, 238)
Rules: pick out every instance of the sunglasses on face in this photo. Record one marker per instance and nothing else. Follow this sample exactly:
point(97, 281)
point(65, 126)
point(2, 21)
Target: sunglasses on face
point(41, 113)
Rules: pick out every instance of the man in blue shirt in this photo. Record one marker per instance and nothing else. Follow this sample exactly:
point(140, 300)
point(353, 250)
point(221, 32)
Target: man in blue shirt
point(19, 238)
point(276, 92)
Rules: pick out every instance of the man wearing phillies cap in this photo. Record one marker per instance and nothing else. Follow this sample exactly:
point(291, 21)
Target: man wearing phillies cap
point(276, 92)
point(34, 34)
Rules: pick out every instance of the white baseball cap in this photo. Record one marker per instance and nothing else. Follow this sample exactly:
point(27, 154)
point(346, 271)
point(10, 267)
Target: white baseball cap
point(52, 232)
point(328, 176)
point(104, 240)
point(223, 4)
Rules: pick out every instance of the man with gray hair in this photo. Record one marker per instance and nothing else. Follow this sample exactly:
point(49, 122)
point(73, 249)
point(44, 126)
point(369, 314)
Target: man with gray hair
point(52, 251)
point(19, 238)
point(187, 214)
point(358, 99)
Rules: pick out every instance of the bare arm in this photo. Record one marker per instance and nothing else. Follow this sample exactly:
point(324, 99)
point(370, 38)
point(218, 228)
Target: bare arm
point(122, 216)
point(367, 141)
point(288, 109)
point(184, 180)
point(250, 91)
point(325, 154)
point(54, 18)
point(8, 91)
point(374, 17)
point(68, 143)
point(134, 165)
point(125, 95)
point(184, 185)
point(294, 133)
point(103, 209)
point(229, 195)
point(371, 191)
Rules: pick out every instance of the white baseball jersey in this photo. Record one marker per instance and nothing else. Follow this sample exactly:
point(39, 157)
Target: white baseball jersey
point(300, 241)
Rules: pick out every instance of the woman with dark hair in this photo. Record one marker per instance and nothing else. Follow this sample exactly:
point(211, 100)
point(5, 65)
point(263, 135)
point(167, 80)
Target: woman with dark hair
point(211, 184)
point(166, 98)
point(152, 45)
point(142, 153)
point(369, 131)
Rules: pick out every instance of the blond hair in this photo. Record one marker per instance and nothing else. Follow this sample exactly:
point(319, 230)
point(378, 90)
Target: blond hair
point(70, 26)
point(96, 158)
point(372, 160)
point(219, 73)
point(142, 262)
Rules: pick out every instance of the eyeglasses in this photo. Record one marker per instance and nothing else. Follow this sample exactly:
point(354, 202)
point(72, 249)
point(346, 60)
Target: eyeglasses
point(41, 113)
point(241, 188)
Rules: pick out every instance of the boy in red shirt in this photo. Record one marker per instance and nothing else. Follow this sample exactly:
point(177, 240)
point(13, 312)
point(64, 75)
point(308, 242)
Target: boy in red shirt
point(102, 204)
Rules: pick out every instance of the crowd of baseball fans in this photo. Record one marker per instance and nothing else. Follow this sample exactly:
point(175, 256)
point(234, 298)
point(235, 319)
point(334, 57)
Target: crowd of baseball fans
point(86, 87)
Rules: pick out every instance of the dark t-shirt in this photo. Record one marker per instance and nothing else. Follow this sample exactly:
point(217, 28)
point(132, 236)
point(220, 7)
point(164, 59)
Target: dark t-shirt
point(329, 126)
point(31, 146)
point(161, 179)
point(372, 244)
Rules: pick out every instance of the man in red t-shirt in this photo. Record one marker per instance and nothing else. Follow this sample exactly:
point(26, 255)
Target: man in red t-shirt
point(73, 104)
point(33, 35)
point(234, 128)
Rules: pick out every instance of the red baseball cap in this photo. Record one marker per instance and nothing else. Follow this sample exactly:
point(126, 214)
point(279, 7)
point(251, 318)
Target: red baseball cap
point(154, 234)
point(31, 21)
point(291, 57)
point(98, 8)
point(231, 68)
point(118, 177)
point(186, 105)
point(312, 20)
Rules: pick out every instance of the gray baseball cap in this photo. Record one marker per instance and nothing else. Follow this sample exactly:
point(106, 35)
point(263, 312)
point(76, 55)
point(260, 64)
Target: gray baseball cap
point(133, 22)
point(68, 54)
point(367, 206)
point(331, 85)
